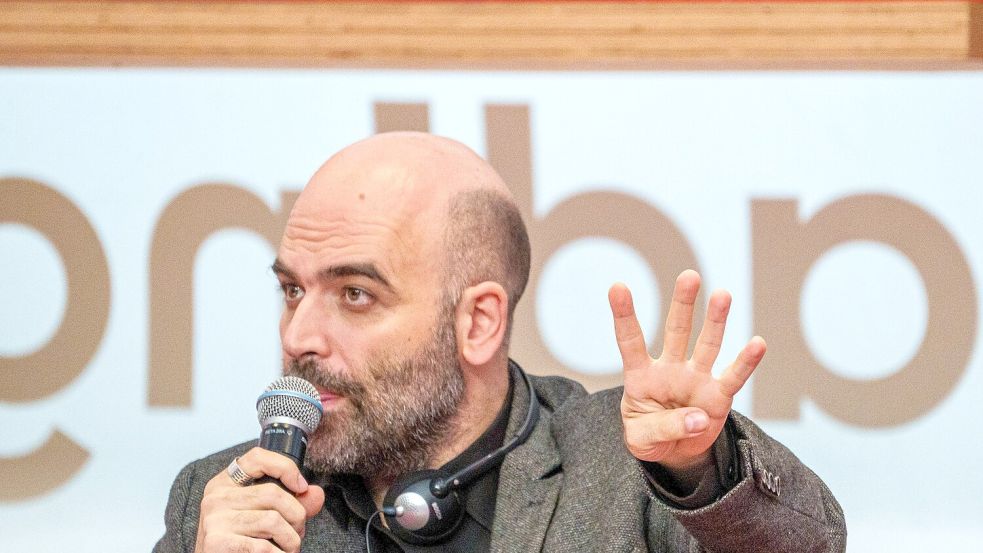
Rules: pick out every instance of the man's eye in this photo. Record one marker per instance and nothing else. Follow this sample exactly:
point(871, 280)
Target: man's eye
point(357, 296)
point(292, 292)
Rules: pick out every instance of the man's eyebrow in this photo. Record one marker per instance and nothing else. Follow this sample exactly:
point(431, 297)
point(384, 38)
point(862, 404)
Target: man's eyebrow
point(366, 270)
point(280, 269)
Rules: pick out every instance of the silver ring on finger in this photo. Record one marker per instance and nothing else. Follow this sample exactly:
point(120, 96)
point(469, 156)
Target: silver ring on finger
point(238, 475)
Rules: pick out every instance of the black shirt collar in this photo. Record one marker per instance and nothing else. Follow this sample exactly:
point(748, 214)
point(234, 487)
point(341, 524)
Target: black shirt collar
point(479, 497)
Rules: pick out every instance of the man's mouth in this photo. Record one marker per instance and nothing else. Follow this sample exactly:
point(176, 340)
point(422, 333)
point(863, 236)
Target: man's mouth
point(329, 397)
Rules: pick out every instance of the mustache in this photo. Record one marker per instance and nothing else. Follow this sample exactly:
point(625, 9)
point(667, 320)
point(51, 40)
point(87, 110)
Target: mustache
point(311, 371)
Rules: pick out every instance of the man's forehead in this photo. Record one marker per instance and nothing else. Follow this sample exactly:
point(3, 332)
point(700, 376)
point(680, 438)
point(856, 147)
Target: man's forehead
point(395, 255)
point(383, 220)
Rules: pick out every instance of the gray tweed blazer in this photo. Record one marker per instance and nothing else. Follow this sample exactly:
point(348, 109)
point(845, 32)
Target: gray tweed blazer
point(573, 486)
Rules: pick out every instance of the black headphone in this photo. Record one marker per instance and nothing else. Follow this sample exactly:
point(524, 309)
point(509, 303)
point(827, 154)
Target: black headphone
point(423, 507)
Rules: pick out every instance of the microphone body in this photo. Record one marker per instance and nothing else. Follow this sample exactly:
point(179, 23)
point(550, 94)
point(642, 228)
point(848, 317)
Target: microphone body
point(289, 410)
point(286, 439)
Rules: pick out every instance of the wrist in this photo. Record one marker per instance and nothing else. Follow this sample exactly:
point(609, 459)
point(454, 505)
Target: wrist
point(687, 464)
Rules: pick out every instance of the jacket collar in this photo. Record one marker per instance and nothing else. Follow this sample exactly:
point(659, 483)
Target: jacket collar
point(529, 479)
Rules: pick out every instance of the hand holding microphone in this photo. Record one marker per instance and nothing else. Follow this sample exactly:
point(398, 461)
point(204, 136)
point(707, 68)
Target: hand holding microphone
point(240, 509)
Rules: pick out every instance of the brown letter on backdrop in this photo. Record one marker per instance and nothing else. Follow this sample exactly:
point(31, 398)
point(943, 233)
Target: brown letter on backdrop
point(598, 214)
point(401, 117)
point(785, 249)
point(186, 223)
point(56, 364)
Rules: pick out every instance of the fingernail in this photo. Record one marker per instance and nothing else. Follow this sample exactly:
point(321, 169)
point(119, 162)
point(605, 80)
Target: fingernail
point(696, 422)
point(302, 482)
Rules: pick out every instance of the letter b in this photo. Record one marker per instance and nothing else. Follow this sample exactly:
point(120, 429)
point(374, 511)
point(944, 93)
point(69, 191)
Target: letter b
point(784, 251)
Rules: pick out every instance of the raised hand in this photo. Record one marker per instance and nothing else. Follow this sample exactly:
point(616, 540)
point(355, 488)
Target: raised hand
point(673, 408)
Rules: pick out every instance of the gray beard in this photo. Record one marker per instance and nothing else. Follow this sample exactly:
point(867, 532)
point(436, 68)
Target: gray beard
point(396, 415)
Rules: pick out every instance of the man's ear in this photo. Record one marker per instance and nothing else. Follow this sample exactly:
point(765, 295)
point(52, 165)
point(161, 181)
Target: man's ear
point(481, 322)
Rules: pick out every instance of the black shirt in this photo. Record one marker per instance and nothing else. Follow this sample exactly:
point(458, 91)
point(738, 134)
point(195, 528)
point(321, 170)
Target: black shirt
point(349, 499)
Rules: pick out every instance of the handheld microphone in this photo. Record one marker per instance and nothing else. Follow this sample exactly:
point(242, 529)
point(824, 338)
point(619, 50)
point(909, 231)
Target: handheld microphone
point(289, 410)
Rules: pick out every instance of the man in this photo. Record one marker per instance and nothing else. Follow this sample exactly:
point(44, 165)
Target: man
point(401, 265)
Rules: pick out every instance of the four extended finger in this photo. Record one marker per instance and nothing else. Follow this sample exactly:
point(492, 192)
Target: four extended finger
point(679, 321)
point(712, 335)
point(740, 370)
point(627, 331)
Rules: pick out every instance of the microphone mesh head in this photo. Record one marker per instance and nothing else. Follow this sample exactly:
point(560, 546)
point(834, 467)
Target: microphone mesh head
point(281, 400)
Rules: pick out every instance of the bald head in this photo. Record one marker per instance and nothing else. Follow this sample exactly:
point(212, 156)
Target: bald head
point(446, 202)
point(416, 166)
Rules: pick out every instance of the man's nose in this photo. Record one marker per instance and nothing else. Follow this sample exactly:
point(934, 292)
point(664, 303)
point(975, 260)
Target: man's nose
point(304, 330)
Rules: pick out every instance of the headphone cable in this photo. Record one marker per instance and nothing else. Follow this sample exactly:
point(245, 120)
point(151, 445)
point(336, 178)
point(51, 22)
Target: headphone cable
point(368, 526)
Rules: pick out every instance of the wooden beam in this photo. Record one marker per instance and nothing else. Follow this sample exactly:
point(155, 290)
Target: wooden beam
point(491, 34)
point(976, 30)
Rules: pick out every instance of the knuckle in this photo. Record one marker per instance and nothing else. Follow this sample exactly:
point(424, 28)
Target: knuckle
point(210, 502)
point(210, 542)
point(295, 512)
point(217, 481)
point(290, 541)
point(282, 502)
point(205, 529)
point(263, 461)
point(714, 343)
point(240, 518)
point(254, 461)
point(667, 429)
point(253, 452)
point(266, 494)
point(645, 438)
point(676, 328)
point(280, 499)
point(270, 519)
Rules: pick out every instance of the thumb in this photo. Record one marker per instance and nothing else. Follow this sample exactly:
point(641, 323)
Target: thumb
point(649, 434)
point(312, 500)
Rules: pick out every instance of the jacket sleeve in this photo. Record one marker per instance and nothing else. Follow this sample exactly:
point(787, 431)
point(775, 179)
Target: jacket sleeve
point(181, 514)
point(777, 505)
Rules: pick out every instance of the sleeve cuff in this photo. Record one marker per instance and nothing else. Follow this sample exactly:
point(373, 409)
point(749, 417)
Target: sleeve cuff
point(700, 486)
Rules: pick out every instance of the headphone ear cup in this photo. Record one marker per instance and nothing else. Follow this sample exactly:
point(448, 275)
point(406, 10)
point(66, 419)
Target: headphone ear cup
point(425, 518)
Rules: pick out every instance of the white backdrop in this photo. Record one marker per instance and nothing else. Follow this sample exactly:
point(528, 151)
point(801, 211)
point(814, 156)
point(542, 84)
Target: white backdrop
point(121, 144)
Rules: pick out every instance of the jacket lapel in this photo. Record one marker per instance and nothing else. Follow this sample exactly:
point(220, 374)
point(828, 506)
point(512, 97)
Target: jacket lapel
point(528, 483)
point(331, 529)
